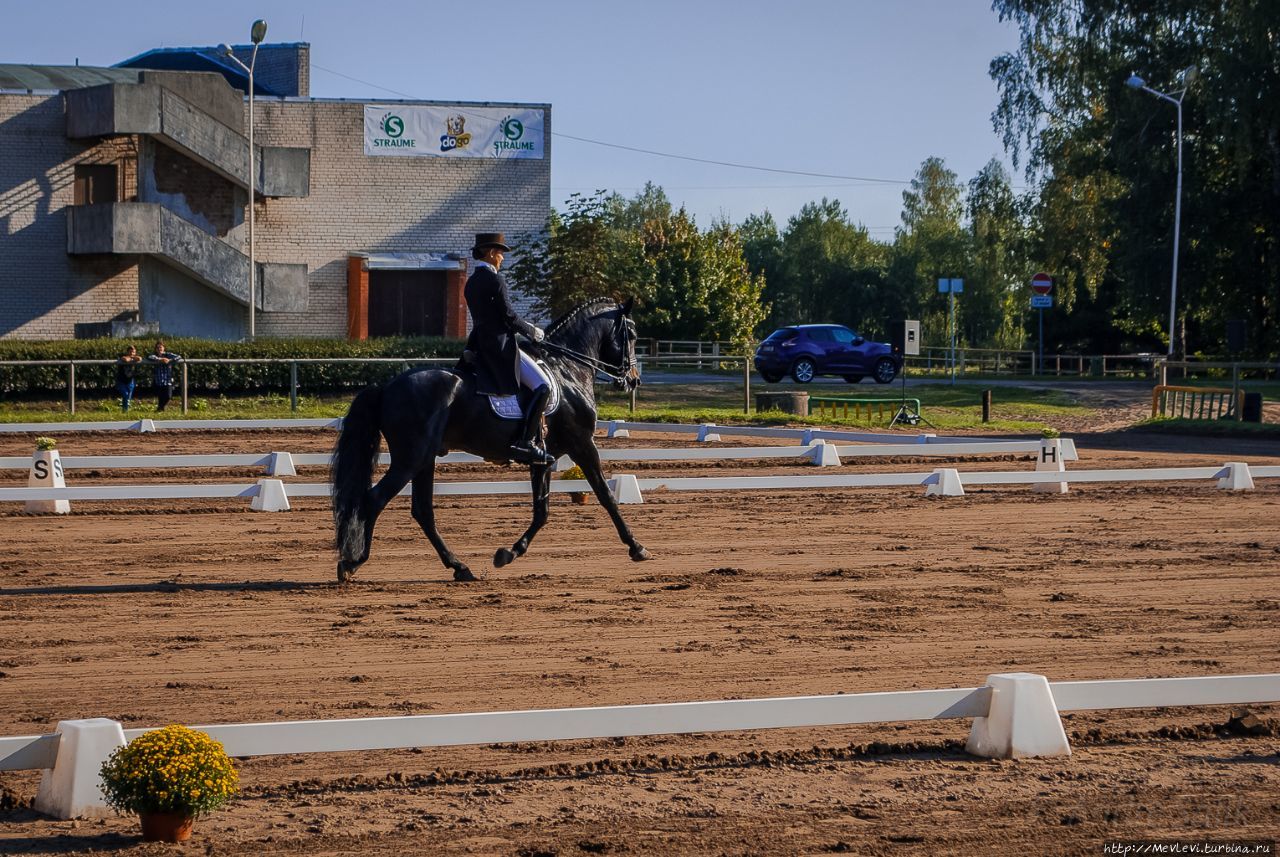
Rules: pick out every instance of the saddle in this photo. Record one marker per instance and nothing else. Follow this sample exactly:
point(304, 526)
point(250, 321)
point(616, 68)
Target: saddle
point(513, 407)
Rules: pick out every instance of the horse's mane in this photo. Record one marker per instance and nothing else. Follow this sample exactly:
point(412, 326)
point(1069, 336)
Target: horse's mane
point(580, 310)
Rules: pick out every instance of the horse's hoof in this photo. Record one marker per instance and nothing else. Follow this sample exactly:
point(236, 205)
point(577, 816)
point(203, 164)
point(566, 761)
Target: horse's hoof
point(503, 556)
point(345, 572)
point(462, 574)
point(639, 554)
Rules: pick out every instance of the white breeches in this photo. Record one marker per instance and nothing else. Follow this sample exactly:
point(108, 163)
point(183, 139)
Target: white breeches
point(531, 375)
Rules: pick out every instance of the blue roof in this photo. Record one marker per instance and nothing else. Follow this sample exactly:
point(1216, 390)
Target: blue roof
point(197, 59)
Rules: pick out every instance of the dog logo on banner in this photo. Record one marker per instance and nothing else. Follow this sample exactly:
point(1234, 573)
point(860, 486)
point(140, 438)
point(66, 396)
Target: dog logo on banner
point(457, 136)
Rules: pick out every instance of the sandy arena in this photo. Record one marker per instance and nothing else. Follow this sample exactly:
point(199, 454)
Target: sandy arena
point(204, 612)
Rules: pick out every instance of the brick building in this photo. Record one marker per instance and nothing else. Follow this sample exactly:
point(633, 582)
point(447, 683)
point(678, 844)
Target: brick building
point(124, 194)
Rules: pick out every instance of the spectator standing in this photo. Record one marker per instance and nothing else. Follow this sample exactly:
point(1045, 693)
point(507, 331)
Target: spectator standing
point(126, 366)
point(164, 362)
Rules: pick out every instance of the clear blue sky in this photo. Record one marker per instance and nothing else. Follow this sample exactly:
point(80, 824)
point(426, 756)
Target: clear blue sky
point(841, 87)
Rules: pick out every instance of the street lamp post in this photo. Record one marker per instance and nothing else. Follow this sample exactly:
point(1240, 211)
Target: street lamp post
point(1185, 77)
point(256, 34)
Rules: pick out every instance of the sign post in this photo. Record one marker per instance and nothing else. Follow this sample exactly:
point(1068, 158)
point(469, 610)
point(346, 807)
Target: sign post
point(1041, 284)
point(951, 286)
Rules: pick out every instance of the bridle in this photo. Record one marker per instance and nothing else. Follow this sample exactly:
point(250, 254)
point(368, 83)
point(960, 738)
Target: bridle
point(618, 373)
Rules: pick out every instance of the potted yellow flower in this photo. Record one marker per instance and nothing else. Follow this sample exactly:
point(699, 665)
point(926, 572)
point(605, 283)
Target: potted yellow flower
point(575, 472)
point(168, 777)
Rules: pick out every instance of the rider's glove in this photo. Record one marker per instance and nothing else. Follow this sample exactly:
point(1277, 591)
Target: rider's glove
point(539, 334)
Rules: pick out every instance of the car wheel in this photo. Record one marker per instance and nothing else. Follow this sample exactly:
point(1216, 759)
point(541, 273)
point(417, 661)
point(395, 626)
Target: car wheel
point(770, 377)
point(885, 370)
point(803, 370)
point(853, 379)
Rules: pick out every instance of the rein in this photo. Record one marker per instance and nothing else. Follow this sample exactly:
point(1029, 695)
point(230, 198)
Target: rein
point(617, 374)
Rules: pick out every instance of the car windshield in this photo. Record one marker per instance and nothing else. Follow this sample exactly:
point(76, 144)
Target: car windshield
point(781, 334)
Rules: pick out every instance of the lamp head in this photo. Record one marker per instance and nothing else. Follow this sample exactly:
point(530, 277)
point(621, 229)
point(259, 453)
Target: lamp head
point(1135, 82)
point(259, 31)
point(224, 49)
point(1189, 75)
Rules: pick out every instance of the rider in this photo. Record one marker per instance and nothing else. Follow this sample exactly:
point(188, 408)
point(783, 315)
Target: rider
point(500, 365)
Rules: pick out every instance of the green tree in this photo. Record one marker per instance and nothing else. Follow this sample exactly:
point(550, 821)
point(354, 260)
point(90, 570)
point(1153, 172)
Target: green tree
point(831, 271)
point(995, 297)
point(703, 288)
point(581, 255)
point(1104, 158)
point(762, 250)
point(931, 243)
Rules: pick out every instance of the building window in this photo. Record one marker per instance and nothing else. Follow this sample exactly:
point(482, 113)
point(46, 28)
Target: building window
point(96, 183)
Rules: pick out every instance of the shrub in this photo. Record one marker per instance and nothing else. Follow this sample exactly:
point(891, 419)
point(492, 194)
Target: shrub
point(225, 378)
point(174, 769)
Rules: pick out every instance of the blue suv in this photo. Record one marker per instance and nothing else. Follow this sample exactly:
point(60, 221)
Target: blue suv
point(807, 350)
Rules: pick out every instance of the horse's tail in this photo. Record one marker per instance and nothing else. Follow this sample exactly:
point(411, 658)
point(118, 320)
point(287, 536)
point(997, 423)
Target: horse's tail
point(354, 457)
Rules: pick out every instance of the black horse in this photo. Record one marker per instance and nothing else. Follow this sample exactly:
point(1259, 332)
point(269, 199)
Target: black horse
point(424, 413)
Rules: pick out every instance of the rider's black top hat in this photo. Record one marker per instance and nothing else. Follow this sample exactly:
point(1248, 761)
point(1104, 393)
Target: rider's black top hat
point(491, 239)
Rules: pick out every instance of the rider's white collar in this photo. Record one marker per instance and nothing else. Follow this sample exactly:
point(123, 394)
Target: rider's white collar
point(482, 264)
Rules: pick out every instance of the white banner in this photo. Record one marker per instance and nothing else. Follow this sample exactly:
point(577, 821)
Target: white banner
point(452, 132)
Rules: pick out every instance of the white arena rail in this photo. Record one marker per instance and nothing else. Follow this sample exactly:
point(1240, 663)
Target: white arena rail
point(273, 461)
point(272, 494)
point(613, 428)
point(1014, 714)
point(152, 425)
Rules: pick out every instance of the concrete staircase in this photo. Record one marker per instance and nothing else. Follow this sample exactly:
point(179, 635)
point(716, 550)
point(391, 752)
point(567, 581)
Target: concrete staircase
point(209, 134)
point(148, 228)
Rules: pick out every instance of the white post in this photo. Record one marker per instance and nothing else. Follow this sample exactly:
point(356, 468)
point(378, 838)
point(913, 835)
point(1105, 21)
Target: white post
point(1022, 721)
point(271, 497)
point(46, 472)
point(625, 489)
point(1052, 459)
point(944, 482)
point(71, 789)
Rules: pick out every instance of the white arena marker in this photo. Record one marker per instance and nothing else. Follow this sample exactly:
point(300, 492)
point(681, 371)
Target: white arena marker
point(271, 497)
point(1235, 476)
point(562, 464)
point(1022, 721)
point(625, 489)
point(1050, 458)
point(616, 430)
point(281, 464)
point(823, 454)
point(144, 426)
point(944, 482)
point(706, 435)
point(46, 472)
point(70, 789)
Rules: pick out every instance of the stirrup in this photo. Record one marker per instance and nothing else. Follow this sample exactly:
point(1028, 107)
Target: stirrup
point(530, 454)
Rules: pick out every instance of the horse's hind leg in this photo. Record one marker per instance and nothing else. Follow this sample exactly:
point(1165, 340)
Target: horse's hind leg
point(425, 514)
point(540, 478)
point(375, 500)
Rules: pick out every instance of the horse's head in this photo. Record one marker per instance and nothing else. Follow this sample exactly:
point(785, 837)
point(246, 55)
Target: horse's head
point(602, 335)
point(619, 348)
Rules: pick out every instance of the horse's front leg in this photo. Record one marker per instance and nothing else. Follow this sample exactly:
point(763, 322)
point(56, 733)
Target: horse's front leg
point(588, 459)
point(424, 513)
point(540, 478)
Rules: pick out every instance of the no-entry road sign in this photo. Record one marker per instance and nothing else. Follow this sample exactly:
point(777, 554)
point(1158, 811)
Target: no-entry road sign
point(1042, 284)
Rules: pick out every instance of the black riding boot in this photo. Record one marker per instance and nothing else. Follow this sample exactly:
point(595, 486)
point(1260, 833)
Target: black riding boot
point(526, 449)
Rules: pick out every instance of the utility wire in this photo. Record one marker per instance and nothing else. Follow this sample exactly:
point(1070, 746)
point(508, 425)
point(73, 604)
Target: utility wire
point(653, 152)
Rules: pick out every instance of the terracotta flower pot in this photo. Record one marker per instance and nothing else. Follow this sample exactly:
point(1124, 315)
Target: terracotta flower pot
point(578, 497)
point(166, 826)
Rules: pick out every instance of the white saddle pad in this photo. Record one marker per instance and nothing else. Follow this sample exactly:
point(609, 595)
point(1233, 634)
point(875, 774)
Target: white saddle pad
point(508, 407)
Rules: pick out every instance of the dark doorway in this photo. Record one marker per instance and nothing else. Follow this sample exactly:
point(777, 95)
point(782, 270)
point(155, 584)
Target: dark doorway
point(96, 184)
point(406, 303)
